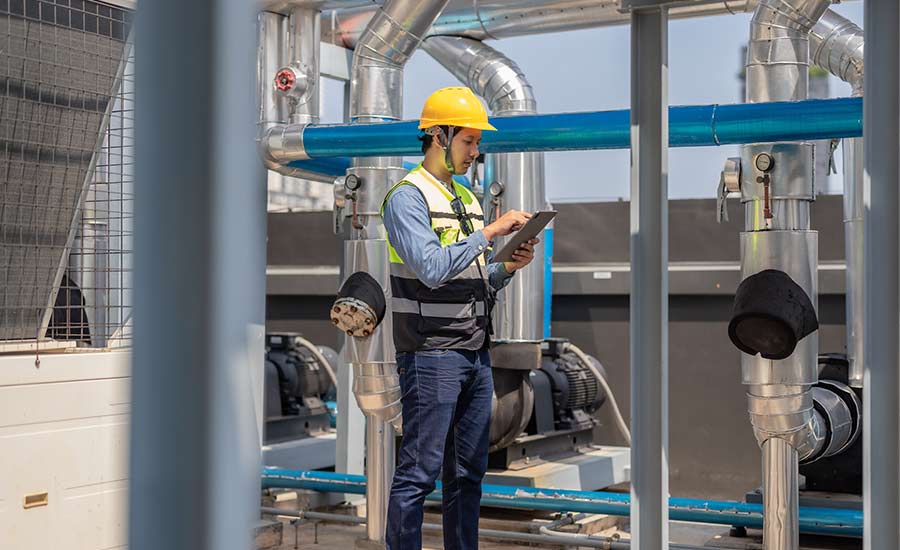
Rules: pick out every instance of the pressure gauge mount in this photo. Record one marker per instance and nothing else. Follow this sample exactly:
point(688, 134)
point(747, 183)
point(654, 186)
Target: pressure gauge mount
point(764, 162)
point(352, 182)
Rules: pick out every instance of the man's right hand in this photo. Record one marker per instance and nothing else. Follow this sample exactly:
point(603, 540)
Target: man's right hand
point(506, 224)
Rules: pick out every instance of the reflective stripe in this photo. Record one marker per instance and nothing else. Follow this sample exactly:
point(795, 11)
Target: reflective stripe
point(402, 305)
point(453, 311)
point(445, 311)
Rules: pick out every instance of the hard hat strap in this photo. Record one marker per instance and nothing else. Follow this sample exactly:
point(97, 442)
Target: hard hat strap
point(448, 155)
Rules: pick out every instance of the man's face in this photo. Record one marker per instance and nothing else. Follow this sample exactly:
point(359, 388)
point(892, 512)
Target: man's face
point(464, 150)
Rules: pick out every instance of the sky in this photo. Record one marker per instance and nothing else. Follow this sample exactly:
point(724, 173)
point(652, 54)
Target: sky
point(589, 70)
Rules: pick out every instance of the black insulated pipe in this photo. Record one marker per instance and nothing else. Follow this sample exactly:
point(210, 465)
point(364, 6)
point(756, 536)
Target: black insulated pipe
point(771, 314)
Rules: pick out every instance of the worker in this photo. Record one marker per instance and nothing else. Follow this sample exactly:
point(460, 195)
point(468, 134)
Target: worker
point(443, 289)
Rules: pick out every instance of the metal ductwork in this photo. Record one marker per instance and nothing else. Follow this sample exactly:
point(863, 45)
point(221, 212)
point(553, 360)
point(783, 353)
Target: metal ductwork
point(836, 45)
point(376, 95)
point(495, 19)
point(288, 84)
point(777, 187)
point(519, 177)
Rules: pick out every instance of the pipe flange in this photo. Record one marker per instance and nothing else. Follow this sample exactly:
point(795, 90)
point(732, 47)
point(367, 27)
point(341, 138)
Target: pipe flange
point(353, 316)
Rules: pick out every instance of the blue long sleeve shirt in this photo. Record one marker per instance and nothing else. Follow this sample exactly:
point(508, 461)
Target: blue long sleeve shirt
point(409, 226)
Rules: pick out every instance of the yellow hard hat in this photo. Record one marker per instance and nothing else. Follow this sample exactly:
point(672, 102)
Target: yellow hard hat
point(454, 106)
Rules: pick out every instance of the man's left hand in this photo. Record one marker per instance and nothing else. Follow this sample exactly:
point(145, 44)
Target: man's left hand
point(522, 256)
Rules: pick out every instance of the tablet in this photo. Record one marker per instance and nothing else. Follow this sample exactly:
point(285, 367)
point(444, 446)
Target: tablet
point(529, 231)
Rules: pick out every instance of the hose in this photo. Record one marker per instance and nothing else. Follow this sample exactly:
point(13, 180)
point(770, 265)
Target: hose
point(319, 357)
point(620, 421)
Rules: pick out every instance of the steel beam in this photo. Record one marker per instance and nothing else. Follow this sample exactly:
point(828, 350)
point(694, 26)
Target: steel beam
point(199, 277)
point(881, 374)
point(649, 343)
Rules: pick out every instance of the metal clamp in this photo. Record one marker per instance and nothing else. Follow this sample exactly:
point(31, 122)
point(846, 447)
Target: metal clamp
point(729, 182)
point(340, 203)
point(832, 146)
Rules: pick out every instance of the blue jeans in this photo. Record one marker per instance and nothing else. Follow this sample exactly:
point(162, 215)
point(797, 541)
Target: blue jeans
point(446, 425)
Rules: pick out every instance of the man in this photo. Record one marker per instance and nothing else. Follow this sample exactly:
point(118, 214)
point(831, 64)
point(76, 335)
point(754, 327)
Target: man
point(442, 290)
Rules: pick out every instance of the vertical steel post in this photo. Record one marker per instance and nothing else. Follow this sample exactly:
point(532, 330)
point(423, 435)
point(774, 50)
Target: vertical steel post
point(199, 280)
point(649, 278)
point(881, 375)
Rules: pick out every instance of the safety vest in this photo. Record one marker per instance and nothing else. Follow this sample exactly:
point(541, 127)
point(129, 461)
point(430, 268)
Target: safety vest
point(455, 314)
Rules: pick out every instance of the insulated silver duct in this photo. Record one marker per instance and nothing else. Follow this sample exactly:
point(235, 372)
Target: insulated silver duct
point(836, 45)
point(520, 312)
point(376, 95)
point(304, 42)
point(777, 187)
point(495, 19)
point(287, 43)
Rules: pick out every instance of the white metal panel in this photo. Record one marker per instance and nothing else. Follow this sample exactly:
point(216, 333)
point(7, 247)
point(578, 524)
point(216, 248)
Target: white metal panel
point(64, 431)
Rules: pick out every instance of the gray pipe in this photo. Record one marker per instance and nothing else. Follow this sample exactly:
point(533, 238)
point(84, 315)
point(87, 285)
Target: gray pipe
point(837, 45)
point(520, 311)
point(495, 19)
point(777, 236)
point(563, 539)
point(376, 95)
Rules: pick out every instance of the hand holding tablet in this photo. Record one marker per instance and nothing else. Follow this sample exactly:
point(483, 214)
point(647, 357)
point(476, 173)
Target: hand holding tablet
point(530, 230)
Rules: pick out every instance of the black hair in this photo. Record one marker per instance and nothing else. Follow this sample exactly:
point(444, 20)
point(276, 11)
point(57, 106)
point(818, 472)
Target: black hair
point(427, 139)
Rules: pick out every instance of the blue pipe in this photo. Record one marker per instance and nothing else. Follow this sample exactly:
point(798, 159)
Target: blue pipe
point(689, 126)
point(823, 521)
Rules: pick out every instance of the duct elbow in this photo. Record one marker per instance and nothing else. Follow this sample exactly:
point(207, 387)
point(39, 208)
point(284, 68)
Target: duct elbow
point(490, 74)
point(776, 16)
point(837, 419)
point(389, 40)
point(280, 144)
point(837, 45)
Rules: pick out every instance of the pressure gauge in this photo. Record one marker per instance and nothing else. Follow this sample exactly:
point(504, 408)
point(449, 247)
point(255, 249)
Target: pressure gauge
point(495, 189)
point(352, 182)
point(764, 162)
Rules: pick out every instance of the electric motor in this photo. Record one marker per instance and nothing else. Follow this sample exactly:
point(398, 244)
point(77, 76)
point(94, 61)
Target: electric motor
point(300, 375)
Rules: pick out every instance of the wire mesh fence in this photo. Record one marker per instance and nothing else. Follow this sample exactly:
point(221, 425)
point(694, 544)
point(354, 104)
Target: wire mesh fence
point(66, 172)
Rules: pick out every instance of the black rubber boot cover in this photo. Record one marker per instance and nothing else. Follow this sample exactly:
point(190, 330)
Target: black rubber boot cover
point(771, 314)
point(364, 287)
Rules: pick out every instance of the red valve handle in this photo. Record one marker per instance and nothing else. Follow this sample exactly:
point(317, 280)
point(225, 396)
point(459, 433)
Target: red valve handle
point(285, 80)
